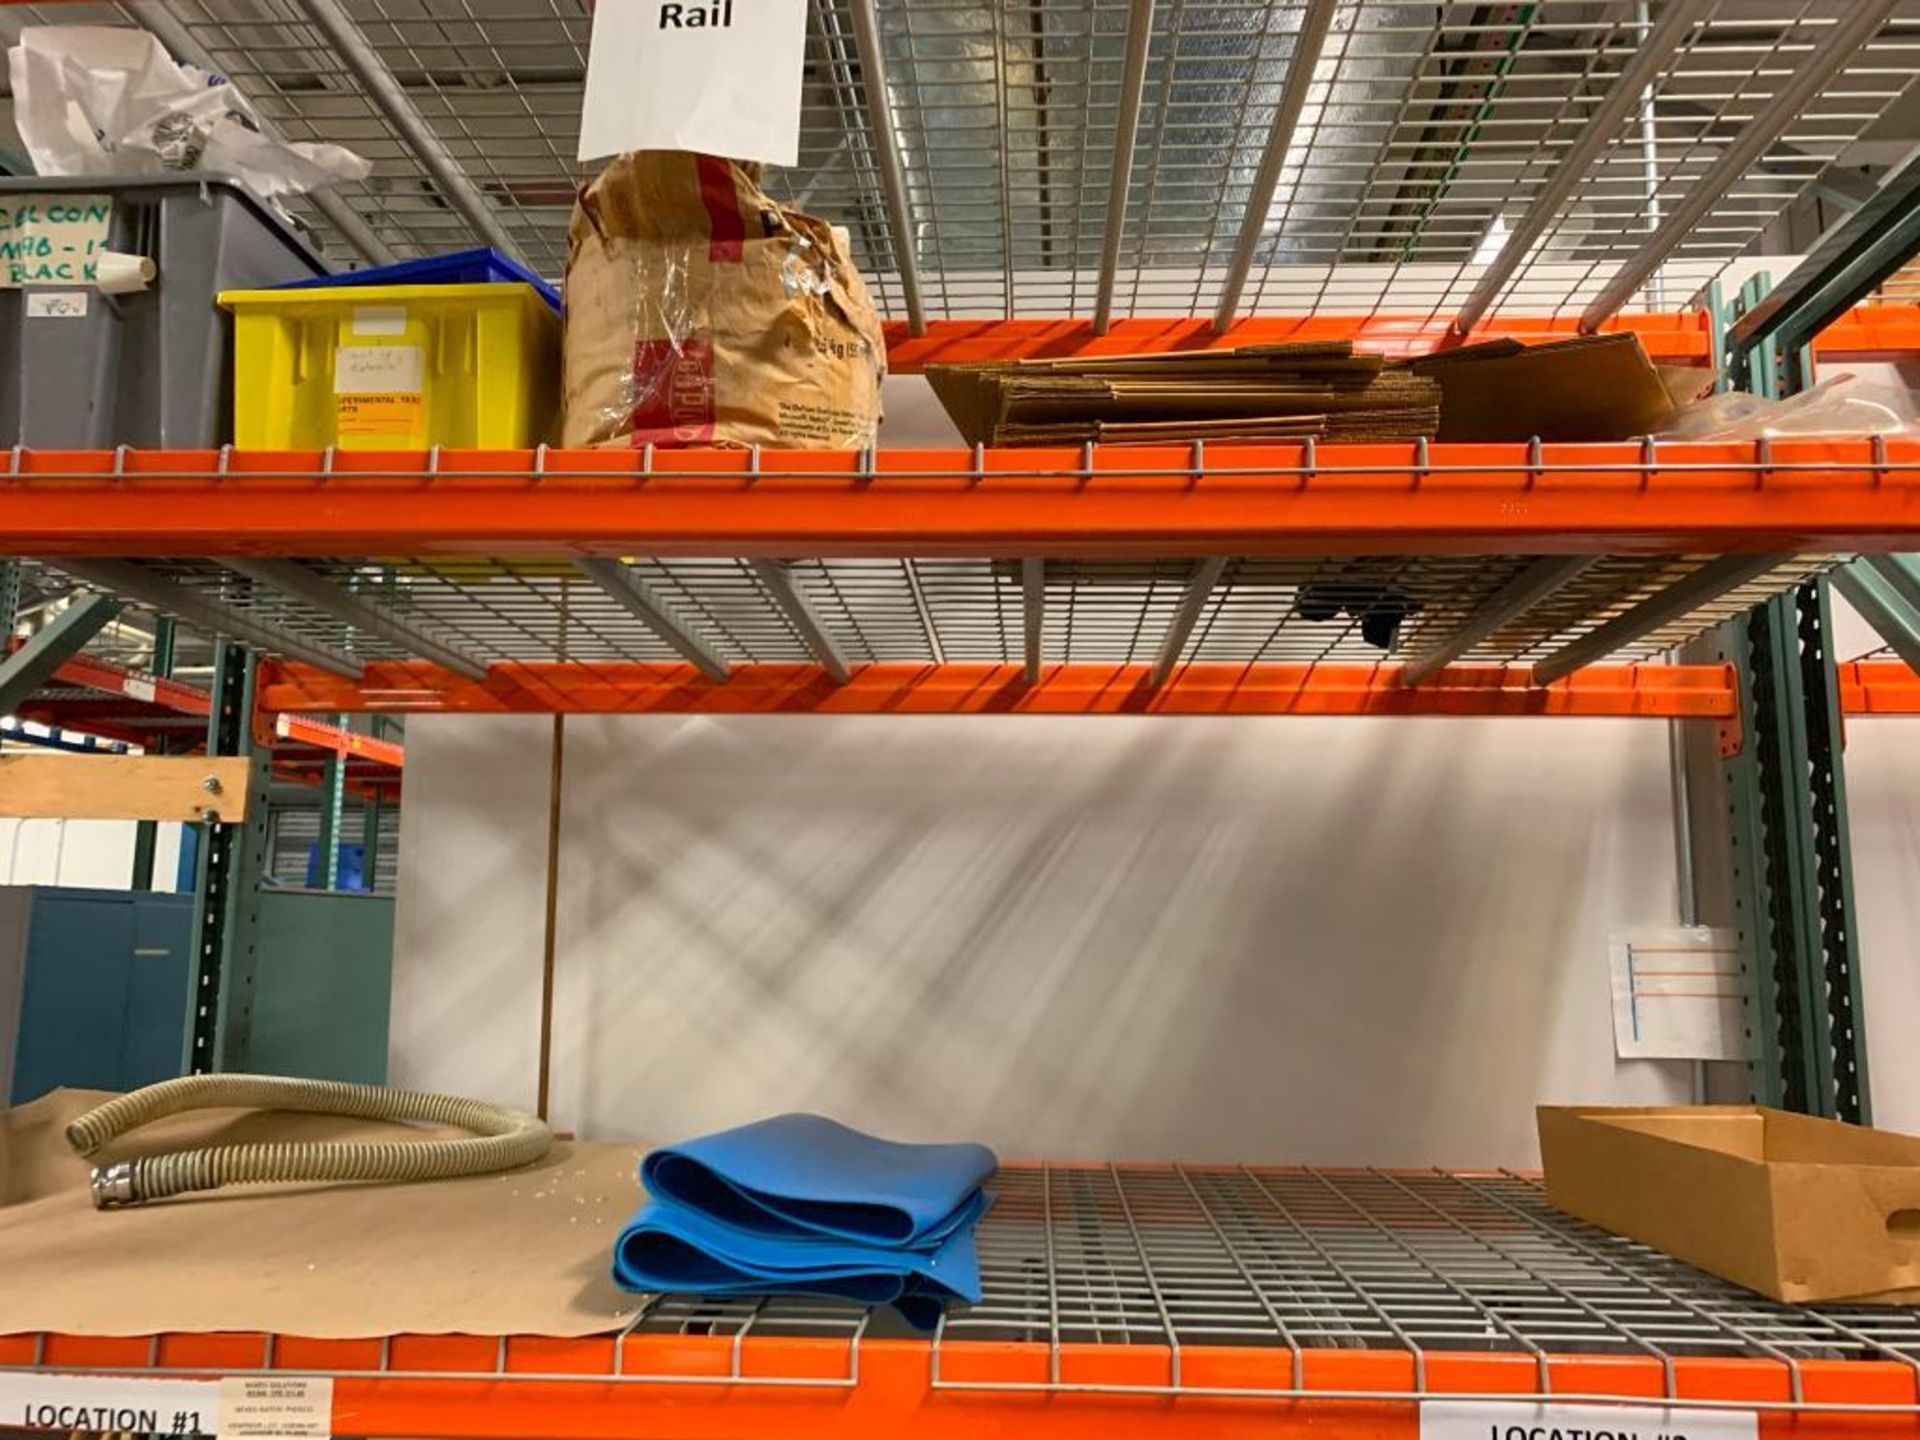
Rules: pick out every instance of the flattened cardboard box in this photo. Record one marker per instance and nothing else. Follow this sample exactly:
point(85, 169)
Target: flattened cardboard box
point(1598, 387)
point(1317, 389)
point(1798, 1208)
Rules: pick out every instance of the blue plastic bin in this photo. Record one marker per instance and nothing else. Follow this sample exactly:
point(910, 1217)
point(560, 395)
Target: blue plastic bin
point(484, 266)
point(351, 871)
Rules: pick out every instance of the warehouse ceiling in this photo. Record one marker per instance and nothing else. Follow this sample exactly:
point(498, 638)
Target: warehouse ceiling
point(1427, 130)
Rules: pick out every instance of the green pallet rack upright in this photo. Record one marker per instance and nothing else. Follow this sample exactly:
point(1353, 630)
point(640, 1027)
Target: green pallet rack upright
point(1785, 793)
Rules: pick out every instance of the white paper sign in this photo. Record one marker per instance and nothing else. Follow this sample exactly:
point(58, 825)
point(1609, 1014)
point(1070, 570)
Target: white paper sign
point(719, 77)
point(377, 370)
point(275, 1407)
point(1676, 994)
point(51, 239)
point(1527, 1420)
point(108, 1404)
point(57, 305)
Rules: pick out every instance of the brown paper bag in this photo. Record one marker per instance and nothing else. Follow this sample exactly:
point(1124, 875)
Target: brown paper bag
point(702, 312)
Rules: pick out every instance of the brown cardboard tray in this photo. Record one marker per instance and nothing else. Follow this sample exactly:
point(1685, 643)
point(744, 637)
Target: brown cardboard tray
point(1795, 1207)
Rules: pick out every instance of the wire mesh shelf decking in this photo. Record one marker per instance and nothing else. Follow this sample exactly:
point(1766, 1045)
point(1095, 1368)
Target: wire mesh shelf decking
point(1278, 611)
point(1306, 1259)
point(1301, 1260)
point(1194, 1271)
point(1427, 131)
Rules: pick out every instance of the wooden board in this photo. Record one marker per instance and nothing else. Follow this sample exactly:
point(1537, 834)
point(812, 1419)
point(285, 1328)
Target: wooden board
point(125, 787)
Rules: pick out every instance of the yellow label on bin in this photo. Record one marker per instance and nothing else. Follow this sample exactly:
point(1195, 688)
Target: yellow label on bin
point(398, 413)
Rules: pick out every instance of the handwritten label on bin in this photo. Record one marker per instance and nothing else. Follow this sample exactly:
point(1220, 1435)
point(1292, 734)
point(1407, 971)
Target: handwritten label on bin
point(57, 305)
point(103, 1404)
point(378, 369)
point(377, 392)
point(1527, 1420)
point(51, 239)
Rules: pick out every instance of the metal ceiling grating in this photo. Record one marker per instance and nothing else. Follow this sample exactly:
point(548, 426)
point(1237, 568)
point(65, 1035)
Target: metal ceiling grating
point(1292, 610)
point(1296, 1259)
point(1427, 127)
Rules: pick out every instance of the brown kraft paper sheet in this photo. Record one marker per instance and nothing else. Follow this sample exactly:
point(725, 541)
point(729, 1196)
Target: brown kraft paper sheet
point(526, 1252)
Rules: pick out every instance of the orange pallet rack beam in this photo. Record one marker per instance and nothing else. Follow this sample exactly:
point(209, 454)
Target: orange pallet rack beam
point(1879, 687)
point(1147, 501)
point(1674, 338)
point(1868, 332)
point(705, 1387)
point(1679, 691)
point(301, 730)
point(135, 707)
point(89, 672)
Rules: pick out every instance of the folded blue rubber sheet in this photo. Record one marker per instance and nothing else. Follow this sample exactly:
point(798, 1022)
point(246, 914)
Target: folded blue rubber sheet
point(802, 1205)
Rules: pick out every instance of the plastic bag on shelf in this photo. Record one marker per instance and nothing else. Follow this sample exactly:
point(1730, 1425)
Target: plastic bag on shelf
point(107, 100)
point(701, 311)
point(1844, 404)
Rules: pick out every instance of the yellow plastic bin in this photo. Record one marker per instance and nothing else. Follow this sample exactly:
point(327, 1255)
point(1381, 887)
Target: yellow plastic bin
point(394, 367)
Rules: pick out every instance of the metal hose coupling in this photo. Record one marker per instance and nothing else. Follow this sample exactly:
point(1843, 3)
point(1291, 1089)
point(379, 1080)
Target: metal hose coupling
point(113, 1186)
point(503, 1137)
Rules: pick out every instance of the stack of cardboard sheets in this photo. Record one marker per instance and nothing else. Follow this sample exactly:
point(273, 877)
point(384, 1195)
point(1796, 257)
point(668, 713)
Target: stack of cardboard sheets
point(1258, 392)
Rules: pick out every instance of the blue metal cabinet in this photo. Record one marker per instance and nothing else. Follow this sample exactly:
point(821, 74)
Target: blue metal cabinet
point(93, 987)
point(158, 983)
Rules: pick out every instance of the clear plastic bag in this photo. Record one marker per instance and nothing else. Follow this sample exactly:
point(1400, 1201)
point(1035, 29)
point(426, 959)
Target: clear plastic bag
point(701, 311)
point(107, 100)
point(1844, 404)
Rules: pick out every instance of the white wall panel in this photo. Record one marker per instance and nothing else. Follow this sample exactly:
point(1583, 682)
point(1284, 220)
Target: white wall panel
point(1338, 940)
point(469, 915)
point(1883, 806)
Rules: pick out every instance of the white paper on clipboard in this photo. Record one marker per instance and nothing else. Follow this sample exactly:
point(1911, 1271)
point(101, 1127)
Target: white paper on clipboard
point(719, 77)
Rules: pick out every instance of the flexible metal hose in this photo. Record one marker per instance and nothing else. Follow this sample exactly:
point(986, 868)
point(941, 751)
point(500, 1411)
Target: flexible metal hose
point(503, 1137)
